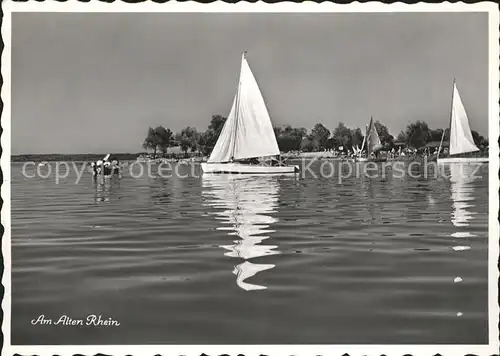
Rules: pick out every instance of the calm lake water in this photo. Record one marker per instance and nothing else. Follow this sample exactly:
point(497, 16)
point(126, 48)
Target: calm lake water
point(243, 260)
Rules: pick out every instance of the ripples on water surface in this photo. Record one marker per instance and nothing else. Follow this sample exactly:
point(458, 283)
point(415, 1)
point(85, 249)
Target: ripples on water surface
point(242, 260)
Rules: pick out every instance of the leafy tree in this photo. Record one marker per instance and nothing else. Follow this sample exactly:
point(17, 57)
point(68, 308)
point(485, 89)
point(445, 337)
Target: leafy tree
point(203, 138)
point(217, 123)
point(188, 139)
point(277, 131)
point(307, 144)
point(320, 135)
point(299, 132)
point(446, 134)
point(357, 137)
point(383, 132)
point(330, 144)
point(435, 135)
point(150, 142)
point(417, 134)
point(164, 138)
point(479, 140)
point(157, 138)
point(402, 137)
point(289, 139)
point(342, 135)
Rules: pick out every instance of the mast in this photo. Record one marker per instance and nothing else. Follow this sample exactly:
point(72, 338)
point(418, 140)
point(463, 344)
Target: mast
point(369, 132)
point(364, 140)
point(451, 117)
point(236, 107)
point(441, 143)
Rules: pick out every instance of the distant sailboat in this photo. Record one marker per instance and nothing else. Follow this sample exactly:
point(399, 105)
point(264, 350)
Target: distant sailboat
point(247, 134)
point(372, 142)
point(359, 156)
point(461, 140)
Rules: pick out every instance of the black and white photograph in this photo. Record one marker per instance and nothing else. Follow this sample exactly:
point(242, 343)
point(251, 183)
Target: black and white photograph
point(190, 178)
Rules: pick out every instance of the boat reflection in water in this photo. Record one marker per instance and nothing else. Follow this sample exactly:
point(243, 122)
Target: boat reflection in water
point(246, 203)
point(462, 193)
point(461, 177)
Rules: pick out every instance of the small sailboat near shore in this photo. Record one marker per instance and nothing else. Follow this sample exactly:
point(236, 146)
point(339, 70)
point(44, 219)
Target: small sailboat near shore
point(247, 143)
point(461, 140)
point(373, 144)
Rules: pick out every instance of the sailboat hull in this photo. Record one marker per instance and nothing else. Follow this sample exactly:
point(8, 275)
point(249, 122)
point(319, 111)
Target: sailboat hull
point(369, 159)
point(361, 159)
point(462, 160)
point(238, 168)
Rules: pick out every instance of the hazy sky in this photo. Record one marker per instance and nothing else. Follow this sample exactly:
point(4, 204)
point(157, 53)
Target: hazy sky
point(95, 82)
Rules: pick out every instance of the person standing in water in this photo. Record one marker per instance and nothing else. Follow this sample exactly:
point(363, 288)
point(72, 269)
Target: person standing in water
point(93, 166)
point(107, 168)
point(115, 166)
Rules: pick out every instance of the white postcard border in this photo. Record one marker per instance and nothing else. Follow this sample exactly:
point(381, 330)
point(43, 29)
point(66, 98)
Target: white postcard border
point(275, 350)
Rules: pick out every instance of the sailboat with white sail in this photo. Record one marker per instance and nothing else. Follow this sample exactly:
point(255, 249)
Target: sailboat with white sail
point(372, 142)
point(247, 143)
point(461, 140)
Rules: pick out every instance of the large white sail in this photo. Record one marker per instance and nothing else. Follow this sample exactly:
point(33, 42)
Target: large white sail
point(248, 131)
point(461, 140)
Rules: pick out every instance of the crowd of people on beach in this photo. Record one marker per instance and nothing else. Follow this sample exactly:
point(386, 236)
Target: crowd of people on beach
point(340, 153)
point(403, 153)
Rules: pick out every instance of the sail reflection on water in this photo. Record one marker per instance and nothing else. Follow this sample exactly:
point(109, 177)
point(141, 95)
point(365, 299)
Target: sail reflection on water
point(461, 177)
point(462, 194)
point(246, 204)
point(462, 189)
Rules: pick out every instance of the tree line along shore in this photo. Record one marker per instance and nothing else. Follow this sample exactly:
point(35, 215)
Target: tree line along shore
point(417, 136)
point(161, 142)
